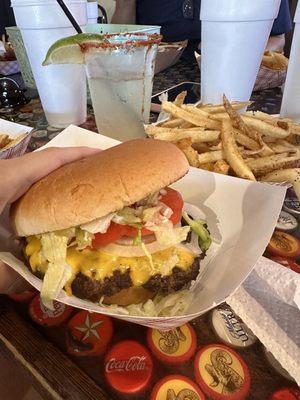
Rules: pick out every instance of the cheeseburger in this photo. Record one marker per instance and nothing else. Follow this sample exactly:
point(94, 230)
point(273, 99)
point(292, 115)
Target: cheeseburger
point(108, 228)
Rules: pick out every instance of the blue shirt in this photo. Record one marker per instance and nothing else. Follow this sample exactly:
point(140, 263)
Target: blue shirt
point(179, 19)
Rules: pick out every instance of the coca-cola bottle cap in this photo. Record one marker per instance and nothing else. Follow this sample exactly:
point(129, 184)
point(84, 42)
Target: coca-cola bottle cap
point(88, 334)
point(128, 367)
point(46, 317)
point(174, 346)
point(176, 387)
point(221, 373)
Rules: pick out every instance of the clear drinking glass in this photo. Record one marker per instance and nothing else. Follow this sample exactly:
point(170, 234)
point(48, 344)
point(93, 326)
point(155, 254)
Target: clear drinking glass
point(120, 75)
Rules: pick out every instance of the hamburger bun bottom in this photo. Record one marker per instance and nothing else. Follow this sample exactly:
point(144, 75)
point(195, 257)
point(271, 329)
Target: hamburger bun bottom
point(132, 295)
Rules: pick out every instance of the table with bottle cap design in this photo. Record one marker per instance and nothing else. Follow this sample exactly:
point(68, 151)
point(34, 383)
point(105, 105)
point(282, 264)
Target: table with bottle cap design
point(73, 354)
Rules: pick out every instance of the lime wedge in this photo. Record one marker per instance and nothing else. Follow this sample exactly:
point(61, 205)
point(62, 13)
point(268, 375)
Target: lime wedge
point(68, 50)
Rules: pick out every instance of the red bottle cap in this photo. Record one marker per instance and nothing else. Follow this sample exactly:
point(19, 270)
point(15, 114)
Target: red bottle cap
point(176, 387)
point(128, 367)
point(174, 346)
point(88, 333)
point(46, 317)
point(221, 373)
point(283, 244)
point(286, 394)
point(287, 262)
point(24, 296)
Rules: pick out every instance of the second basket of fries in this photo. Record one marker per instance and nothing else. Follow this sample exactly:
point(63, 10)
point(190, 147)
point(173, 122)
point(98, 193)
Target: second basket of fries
point(14, 139)
point(272, 72)
point(222, 139)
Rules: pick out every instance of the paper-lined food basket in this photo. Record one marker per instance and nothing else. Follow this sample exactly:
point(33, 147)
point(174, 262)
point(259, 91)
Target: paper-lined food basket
point(17, 138)
point(241, 216)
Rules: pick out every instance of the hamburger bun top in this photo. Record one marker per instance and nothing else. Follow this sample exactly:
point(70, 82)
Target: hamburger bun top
point(95, 186)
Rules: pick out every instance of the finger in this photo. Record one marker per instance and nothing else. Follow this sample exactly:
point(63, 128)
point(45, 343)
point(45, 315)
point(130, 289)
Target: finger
point(41, 163)
point(10, 281)
point(26, 170)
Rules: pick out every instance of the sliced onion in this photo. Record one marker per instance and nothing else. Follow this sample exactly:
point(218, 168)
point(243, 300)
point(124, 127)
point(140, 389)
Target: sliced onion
point(124, 248)
point(133, 251)
point(128, 241)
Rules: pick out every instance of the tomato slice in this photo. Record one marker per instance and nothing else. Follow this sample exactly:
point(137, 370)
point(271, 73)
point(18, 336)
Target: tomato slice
point(172, 199)
point(113, 233)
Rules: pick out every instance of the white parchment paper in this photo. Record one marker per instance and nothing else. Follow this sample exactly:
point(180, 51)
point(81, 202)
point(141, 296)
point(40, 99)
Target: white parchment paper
point(241, 216)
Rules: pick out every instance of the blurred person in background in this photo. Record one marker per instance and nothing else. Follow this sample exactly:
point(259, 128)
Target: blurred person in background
point(6, 16)
point(180, 20)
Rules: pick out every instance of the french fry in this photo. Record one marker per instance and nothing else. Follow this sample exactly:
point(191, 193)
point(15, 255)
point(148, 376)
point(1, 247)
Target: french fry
point(261, 166)
point(239, 123)
point(215, 109)
point(283, 123)
point(245, 141)
point(233, 157)
point(211, 156)
point(192, 118)
point(207, 123)
point(264, 128)
point(191, 154)
point(179, 134)
point(4, 140)
point(207, 166)
point(219, 116)
point(180, 98)
point(152, 129)
point(201, 147)
point(291, 175)
point(274, 60)
point(185, 124)
point(171, 123)
point(217, 138)
point(216, 147)
point(221, 167)
point(282, 146)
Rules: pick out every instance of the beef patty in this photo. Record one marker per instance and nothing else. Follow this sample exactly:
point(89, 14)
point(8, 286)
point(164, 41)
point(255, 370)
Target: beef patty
point(88, 288)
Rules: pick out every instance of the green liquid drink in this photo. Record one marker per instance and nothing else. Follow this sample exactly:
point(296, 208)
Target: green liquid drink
point(120, 69)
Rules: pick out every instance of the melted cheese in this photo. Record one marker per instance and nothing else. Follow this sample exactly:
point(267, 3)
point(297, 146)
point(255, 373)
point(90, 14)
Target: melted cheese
point(98, 264)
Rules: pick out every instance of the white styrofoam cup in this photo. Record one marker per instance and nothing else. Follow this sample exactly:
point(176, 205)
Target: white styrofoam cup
point(92, 12)
point(290, 106)
point(62, 88)
point(233, 40)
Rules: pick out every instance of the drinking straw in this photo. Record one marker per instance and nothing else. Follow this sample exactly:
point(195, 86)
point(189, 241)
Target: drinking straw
point(69, 15)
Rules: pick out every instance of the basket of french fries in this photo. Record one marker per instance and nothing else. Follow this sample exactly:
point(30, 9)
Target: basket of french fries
point(272, 72)
point(220, 138)
point(14, 139)
point(8, 63)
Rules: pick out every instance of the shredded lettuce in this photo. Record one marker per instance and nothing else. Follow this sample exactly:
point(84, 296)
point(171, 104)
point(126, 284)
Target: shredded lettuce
point(54, 249)
point(138, 239)
point(128, 216)
point(83, 238)
point(171, 305)
point(200, 228)
point(98, 225)
point(171, 236)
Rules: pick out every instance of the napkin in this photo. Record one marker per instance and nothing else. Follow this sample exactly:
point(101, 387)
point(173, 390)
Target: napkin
point(269, 303)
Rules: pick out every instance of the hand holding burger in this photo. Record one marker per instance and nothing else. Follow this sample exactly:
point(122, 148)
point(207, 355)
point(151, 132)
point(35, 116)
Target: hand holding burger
point(108, 229)
point(16, 176)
